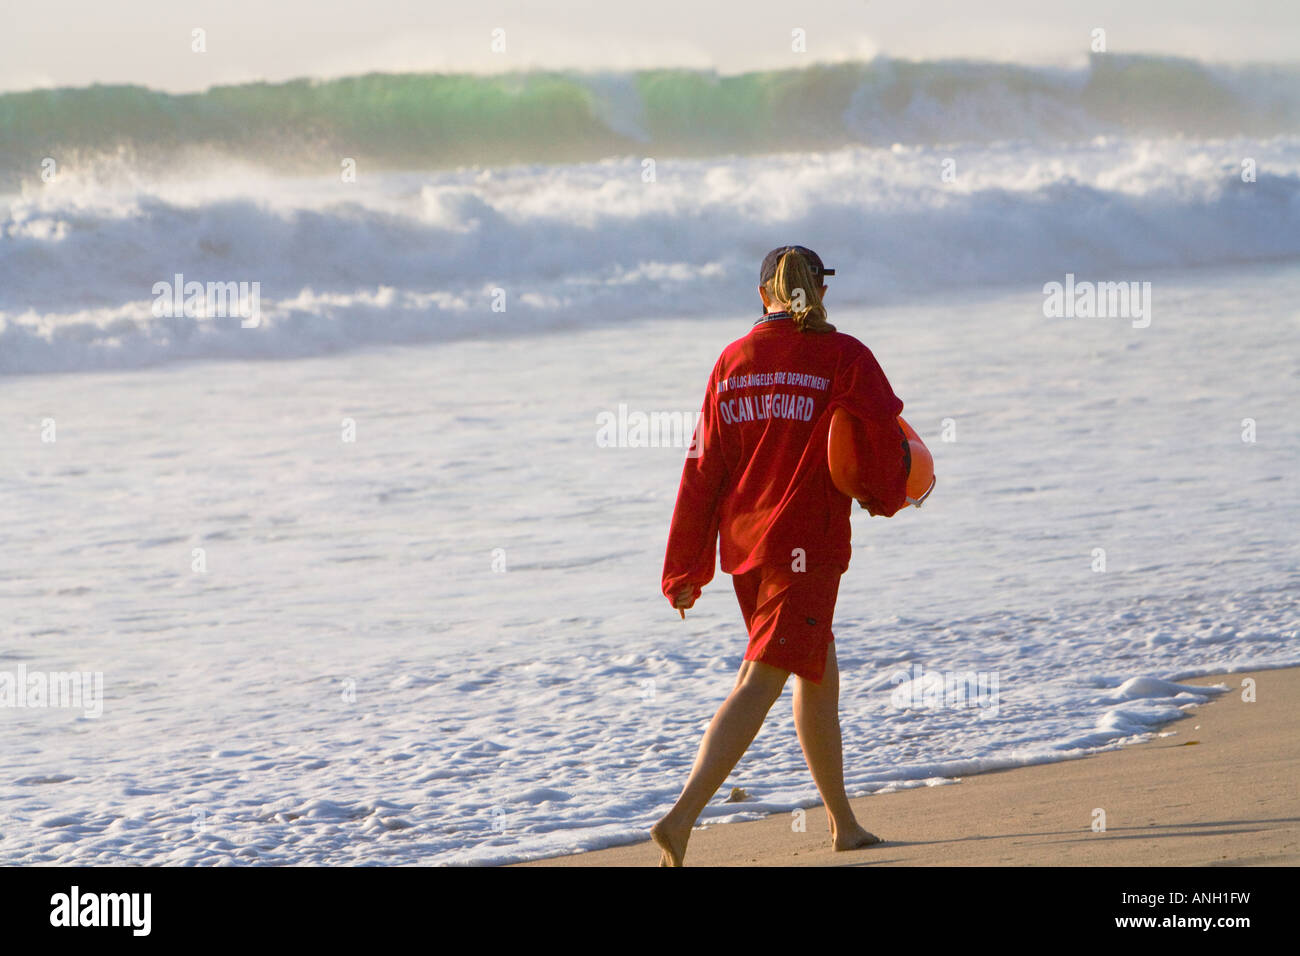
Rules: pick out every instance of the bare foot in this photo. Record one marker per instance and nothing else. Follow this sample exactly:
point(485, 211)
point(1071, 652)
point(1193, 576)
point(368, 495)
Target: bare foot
point(672, 842)
point(854, 838)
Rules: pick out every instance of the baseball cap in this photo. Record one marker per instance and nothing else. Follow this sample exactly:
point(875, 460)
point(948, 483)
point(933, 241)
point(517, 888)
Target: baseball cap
point(772, 258)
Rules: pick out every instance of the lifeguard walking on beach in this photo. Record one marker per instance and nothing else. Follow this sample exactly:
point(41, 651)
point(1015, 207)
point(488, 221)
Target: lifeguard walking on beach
point(758, 480)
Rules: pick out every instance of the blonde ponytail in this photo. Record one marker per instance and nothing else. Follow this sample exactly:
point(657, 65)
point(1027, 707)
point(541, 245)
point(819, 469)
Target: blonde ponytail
point(795, 287)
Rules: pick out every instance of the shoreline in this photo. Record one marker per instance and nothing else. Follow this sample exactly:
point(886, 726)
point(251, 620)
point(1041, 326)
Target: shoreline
point(1215, 787)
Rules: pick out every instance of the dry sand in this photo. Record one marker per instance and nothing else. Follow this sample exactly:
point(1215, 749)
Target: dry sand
point(1220, 790)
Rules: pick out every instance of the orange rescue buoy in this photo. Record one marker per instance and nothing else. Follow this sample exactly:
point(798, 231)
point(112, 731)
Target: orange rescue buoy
point(847, 447)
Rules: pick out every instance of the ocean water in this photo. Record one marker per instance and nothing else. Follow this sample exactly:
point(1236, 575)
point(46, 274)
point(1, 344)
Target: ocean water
point(413, 257)
point(421, 120)
point(554, 703)
point(364, 587)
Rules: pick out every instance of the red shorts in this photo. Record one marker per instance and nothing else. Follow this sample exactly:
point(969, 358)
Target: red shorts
point(788, 616)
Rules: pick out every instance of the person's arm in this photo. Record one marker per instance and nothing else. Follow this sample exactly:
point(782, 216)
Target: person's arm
point(692, 538)
point(864, 391)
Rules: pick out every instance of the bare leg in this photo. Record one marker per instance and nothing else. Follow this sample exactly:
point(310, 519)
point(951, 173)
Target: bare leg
point(817, 720)
point(732, 730)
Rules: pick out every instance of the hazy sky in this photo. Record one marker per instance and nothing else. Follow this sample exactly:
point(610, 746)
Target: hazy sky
point(77, 42)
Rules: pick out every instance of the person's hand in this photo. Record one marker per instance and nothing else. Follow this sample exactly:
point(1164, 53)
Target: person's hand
point(685, 599)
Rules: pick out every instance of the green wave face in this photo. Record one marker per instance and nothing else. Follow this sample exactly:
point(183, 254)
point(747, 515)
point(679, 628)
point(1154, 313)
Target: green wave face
point(436, 120)
point(404, 118)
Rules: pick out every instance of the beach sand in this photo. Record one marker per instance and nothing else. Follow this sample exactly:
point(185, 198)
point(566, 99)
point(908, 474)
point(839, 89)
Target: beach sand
point(1220, 789)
